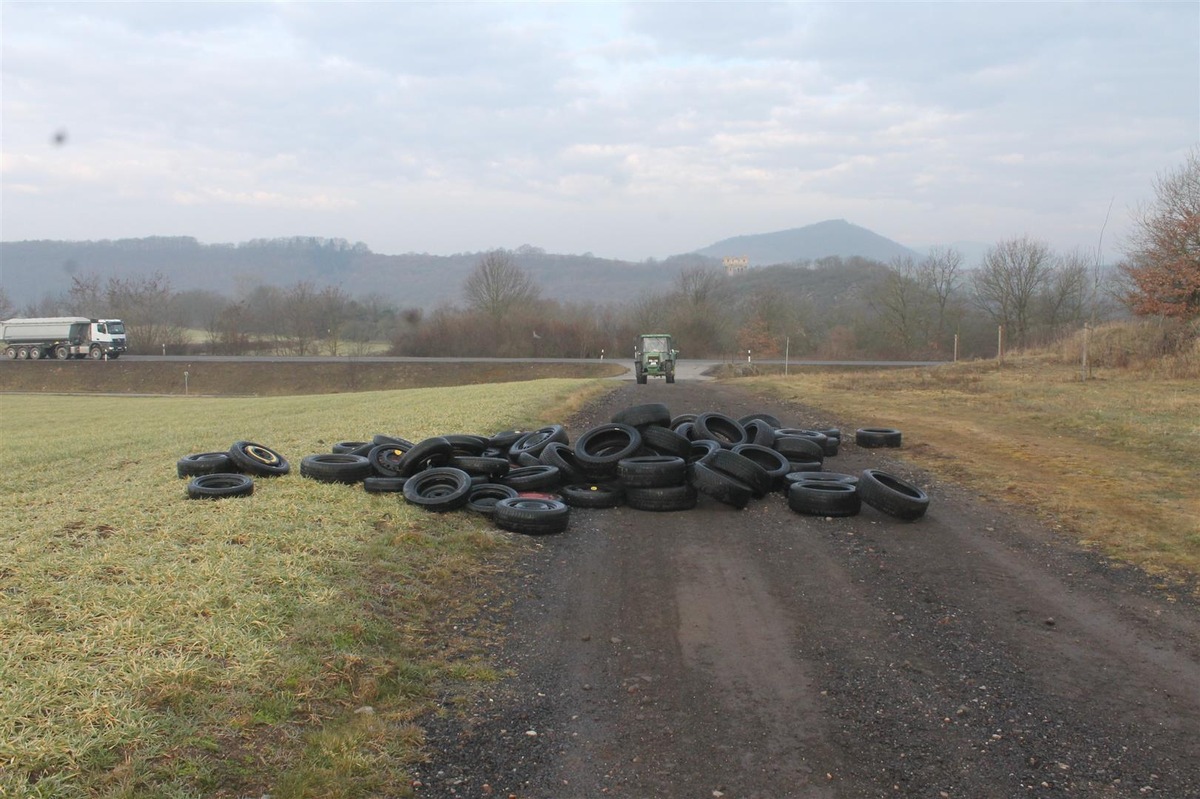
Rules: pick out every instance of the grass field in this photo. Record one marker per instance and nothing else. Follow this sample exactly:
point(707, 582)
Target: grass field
point(283, 643)
point(1114, 461)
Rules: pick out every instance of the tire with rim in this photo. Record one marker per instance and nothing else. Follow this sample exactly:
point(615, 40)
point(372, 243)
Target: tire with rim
point(531, 516)
point(96, 354)
point(593, 495)
point(387, 460)
point(824, 499)
point(256, 459)
point(384, 485)
point(204, 463)
point(220, 486)
point(10, 353)
point(483, 498)
point(439, 489)
point(35, 353)
point(891, 495)
point(62, 352)
point(22, 353)
point(662, 499)
point(877, 437)
point(336, 467)
point(719, 486)
point(601, 448)
point(533, 442)
point(652, 471)
point(718, 427)
point(646, 414)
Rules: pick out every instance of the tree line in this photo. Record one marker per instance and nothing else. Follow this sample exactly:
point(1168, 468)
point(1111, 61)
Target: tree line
point(931, 307)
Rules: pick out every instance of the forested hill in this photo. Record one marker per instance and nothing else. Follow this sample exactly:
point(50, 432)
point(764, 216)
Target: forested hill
point(835, 237)
point(32, 270)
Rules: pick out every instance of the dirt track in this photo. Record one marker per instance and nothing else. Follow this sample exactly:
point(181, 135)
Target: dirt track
point(759, 653)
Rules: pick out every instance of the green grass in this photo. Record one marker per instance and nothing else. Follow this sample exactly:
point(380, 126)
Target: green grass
point(156, 646)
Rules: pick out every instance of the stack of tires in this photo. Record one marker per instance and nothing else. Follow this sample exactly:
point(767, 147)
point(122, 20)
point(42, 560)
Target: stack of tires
point(528, 482)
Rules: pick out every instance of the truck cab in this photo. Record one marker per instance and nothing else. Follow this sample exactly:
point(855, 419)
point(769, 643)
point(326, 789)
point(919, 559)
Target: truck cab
point(654, 356)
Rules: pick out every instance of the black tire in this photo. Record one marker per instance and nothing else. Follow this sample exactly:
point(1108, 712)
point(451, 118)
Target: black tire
point(640, 416)
point(702, 449)
point(478, 465)
point(531, 516)
point(799, 448)
point(426, 454)
point(824, 499)
point(96, 354)
point(720, 428)
point(681, 419)
point(721, 487)
point(593, 495)
point(820, 477)
point(665, 441)
point(742, 469)
point(396, 441)
point(641, 377)
point(670, 377)
point(204, 463)
point(891, 495)
point(439, 489)
point(773, 463)
point(219, 486)
point(773, 421)
point(563, 458)
point(387, 460)
point(687, 430)
point(505, 439)
point(759, 432)
point(35, 353)
point(533, 478)
point(384, 485)
point(343, 447)
point(652, 471)
point(62, 352)
point(533, 442)
point(483, 498)
point(526, 459)
point(258, 460)
point(336, 468)
point(662, 499)
point(467, 444)
point(601, 448)
point(806, 466)
point(877, 437)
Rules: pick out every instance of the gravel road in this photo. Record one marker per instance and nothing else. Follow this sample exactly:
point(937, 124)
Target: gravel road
point(760, 653)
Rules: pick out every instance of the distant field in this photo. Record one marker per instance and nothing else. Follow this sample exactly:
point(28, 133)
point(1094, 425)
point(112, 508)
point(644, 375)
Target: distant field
point(276, 378)
point(1114, 461)
point(160, 646)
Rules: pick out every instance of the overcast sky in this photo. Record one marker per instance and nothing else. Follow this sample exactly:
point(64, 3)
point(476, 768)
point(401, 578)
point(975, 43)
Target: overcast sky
point(625, 130)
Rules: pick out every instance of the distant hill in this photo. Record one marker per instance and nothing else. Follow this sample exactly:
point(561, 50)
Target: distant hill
point(836, 237)
point(33, 270)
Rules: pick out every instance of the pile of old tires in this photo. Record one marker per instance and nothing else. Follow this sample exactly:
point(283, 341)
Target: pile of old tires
point(644, 458)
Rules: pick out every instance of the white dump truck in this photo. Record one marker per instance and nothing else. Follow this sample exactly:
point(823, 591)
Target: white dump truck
point(62, 337)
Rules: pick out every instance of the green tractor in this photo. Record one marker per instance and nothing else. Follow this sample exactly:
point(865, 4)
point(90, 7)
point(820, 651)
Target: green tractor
point(654, 357)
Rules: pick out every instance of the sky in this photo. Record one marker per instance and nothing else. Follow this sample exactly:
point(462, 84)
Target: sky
point(627, 130)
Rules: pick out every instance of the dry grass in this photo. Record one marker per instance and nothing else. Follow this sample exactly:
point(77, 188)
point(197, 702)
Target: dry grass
point(156, 646)
point(1114, 460)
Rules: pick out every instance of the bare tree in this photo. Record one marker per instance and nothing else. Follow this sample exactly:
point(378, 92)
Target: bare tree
point(1013, 274)
point(145, 304)
point(1163, 255)
point(498, 287)
point(1066, 300)
point(940, 272)
point(903, 302)
point(6, 306)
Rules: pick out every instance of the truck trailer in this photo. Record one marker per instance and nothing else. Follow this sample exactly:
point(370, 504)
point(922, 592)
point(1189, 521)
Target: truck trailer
point(62, 337)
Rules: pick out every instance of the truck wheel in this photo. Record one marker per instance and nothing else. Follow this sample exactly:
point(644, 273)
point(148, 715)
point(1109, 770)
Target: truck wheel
point(95, 353)
point(35, 353)
point(10, 353)
point(62, 353)
point(22, 354)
